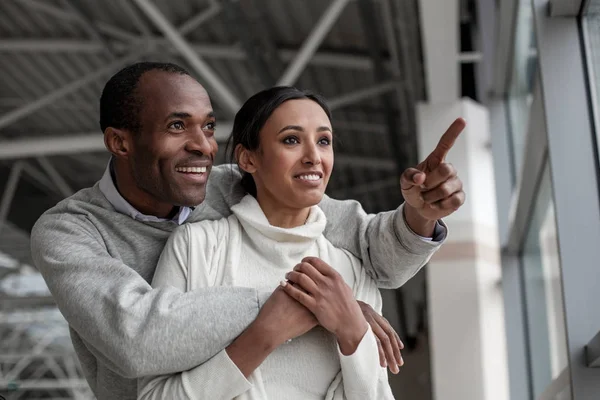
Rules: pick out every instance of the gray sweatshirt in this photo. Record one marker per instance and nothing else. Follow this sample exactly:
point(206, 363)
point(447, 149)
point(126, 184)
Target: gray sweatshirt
point(98, 264)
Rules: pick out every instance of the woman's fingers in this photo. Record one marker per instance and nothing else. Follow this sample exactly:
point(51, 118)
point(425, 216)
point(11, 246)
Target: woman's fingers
point(382, 360)
point(388, 344)
point(387, 338)
point(303, 281)
point(299, 295)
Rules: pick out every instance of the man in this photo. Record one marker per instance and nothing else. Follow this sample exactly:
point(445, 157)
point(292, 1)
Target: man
point(98, 249)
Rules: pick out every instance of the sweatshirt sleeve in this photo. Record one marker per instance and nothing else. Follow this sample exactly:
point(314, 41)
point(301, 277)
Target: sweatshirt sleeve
point(390, 251)
point(219, 377)
point(133, 329)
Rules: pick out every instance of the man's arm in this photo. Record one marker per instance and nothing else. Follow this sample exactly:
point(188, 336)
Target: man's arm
point(123, 321)
point(390, 251)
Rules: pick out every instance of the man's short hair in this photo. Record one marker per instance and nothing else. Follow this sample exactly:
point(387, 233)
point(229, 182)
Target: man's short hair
point(120, 104)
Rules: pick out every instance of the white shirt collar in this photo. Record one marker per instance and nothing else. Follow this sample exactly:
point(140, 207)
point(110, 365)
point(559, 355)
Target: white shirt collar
point(109, 190)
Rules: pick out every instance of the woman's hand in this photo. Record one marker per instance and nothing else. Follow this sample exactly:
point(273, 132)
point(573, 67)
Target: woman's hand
point(322, 290)
point(283, 318)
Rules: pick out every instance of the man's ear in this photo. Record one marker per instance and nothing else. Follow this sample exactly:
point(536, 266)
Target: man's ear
point(117, 141)
point(245, 159)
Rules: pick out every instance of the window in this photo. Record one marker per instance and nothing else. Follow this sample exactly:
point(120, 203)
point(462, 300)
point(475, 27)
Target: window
point(545, 319)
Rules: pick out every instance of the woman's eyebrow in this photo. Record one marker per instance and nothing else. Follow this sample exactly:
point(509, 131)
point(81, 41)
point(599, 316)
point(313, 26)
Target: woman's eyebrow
point(292, 128)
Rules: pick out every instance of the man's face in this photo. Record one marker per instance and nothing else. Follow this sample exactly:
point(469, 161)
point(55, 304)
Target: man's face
point(173, 152)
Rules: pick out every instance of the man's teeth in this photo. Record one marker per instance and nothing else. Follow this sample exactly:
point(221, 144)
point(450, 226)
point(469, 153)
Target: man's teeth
point(310, 177)
point(195, 170)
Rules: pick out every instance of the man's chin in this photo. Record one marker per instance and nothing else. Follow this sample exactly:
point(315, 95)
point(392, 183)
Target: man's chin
point(191, 200)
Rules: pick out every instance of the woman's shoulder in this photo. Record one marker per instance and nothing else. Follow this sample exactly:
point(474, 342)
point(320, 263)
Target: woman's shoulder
point(216, 230)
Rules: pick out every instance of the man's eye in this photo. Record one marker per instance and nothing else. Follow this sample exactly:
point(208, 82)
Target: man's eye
point(177, 125)
point(211, 126)
point(291, 140)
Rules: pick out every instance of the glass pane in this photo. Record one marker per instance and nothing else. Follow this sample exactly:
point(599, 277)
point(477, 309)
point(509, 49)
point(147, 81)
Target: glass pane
point(524, 70)
point(543, 293)
point(591, 29)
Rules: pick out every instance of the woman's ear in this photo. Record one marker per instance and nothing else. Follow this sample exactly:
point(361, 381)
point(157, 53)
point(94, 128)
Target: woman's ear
point(117, 141)
point(245, 159)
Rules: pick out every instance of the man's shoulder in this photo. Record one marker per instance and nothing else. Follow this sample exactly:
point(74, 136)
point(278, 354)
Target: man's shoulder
point(76, 209)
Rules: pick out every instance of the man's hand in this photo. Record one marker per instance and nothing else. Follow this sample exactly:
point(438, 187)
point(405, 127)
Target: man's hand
point(388, 341)
point(432, 190)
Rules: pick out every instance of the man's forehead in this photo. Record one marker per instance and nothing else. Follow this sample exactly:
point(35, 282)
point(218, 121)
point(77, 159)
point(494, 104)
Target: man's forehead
point(174, 90)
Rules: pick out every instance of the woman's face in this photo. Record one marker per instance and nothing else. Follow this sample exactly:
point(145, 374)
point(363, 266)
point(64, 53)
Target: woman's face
point(294, 160)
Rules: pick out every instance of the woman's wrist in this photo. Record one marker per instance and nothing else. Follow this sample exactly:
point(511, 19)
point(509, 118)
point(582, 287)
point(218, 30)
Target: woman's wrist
point(350, 336)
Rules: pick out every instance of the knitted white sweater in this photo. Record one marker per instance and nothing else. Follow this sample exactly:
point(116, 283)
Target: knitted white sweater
point(245, 250)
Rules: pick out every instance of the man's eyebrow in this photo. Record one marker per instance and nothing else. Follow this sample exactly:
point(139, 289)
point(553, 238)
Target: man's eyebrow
point(177, 114)
point(291, 128)
point(210, 114)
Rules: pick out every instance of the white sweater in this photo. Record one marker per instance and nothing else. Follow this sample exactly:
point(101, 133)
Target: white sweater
point(245, 250)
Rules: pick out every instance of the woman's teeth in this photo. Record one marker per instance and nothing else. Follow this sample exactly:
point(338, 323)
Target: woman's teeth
point(195, 170)
point(309, 177)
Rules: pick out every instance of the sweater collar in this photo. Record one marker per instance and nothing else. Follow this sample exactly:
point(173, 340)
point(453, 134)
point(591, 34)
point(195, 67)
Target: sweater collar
point(252, 218)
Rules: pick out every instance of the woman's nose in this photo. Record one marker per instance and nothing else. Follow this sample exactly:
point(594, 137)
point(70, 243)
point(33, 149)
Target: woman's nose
point(311, 155)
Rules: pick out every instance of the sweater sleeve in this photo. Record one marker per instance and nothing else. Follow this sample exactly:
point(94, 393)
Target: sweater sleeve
point(361, 369)
point(390, 251)
point(130, 327)
point(218, 378)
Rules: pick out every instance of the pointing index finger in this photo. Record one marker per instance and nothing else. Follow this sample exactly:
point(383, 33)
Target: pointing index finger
point(446, 142)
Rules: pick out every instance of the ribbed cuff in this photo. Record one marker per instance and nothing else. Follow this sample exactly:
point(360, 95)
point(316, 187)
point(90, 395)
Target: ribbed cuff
point(414, 243)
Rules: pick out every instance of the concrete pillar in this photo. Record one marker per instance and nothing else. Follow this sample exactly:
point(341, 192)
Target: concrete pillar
point(466, 315)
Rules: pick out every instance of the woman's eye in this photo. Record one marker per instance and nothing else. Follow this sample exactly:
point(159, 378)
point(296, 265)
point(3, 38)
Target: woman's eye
point(178, 125)
point(325, 141)
point(290, 140)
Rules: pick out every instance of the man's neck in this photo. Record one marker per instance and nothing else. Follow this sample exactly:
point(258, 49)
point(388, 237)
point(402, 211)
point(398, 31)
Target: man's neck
point(137, 197)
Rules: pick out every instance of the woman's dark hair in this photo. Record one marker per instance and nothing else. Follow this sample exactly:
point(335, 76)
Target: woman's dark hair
point(253, 115)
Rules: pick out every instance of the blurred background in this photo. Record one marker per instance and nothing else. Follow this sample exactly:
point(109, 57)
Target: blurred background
point(507, 309)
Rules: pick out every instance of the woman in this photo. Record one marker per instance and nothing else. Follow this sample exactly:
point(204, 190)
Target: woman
point(282, 140)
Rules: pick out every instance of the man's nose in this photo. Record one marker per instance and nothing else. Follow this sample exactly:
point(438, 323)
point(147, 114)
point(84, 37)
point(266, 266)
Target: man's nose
point(199, 143)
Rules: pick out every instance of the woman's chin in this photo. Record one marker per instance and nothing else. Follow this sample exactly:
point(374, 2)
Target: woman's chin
point(309, 199)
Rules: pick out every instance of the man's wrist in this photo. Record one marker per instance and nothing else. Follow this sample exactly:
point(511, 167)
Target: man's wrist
point(417, 223)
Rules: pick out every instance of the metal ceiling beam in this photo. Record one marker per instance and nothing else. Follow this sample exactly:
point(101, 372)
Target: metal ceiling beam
point(208, 51)
point(50, 45)
point(312, 42)
point(17, 114)
point(71, 144)
point(361, 94)
point(219, 90)
point(93, 142)
point(61, 184)
point(9, 191)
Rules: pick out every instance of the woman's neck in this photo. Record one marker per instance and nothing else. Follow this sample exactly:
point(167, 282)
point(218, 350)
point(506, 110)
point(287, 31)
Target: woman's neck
point(281, 216)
